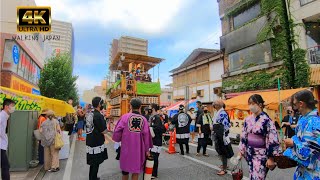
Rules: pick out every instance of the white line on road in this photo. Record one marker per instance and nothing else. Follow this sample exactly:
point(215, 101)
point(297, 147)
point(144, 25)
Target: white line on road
point(194, 145)
point(67, 171)
point(205, 163)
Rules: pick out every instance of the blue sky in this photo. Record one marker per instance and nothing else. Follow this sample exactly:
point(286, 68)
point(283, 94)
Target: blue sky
point(173, 29)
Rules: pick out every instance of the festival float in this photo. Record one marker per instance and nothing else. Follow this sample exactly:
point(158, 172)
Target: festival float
point(133, 81)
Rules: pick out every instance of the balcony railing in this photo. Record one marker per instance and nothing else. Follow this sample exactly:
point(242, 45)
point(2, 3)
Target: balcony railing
point(314, 55)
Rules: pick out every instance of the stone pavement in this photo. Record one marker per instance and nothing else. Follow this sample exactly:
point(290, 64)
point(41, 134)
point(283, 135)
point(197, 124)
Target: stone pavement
point(171, 166)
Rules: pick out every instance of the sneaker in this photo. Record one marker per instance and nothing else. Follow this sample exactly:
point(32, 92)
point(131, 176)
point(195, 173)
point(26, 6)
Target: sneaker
point(154, 177)
point(50, 170)
point(55, 170)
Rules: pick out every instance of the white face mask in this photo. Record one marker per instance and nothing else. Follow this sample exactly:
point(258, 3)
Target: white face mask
point(254, 108)
point(11, 109)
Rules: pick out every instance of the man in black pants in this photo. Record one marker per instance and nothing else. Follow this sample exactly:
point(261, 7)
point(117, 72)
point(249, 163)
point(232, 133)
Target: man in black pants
point(182, 122)
point(96, 128)
point(158, 129)
point(8, 108)
point(204, 125)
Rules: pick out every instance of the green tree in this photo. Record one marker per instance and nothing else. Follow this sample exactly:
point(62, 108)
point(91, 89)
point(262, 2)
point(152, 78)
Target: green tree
point(56, 80)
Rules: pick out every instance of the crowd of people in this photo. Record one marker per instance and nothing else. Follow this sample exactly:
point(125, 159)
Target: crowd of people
point(140, 132)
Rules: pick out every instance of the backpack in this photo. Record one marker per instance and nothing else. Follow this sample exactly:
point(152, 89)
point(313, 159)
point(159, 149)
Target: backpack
point(89, 123)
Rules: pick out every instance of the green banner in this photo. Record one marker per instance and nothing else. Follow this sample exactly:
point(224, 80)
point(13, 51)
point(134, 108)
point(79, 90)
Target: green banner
point(148, 88)
point(115, 85)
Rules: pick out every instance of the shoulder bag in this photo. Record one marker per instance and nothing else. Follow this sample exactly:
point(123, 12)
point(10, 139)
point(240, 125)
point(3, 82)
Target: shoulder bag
point(58, 143)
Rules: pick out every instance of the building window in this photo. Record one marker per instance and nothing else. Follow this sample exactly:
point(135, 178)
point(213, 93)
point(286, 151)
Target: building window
point(304, 2)
point(25, 68)
point(253, 55)
point(246, 16)
point(169, 97)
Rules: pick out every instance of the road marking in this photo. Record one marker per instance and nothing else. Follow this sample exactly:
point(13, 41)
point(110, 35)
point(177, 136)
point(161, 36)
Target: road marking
point(67, 171)
point(194, 145)
point(205, 164)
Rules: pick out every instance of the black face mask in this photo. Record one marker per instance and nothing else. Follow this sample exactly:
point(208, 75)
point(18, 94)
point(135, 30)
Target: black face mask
point(205, 111)
point(149, 111)
point(289, 112)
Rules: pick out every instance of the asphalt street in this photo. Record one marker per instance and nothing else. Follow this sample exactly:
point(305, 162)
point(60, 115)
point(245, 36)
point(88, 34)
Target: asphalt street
point(171, 166)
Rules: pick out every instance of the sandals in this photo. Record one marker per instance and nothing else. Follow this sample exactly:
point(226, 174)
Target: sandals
point(221, 167)
point(222, 172)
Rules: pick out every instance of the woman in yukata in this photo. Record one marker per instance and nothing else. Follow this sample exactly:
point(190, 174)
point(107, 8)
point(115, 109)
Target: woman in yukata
point(304, 146)
point(259, 140)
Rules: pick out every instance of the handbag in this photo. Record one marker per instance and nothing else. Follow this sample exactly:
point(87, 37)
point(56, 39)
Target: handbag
point(284, 162)
point(237, 173)
point(37, 134)
point(58, 142)
point(209, 141)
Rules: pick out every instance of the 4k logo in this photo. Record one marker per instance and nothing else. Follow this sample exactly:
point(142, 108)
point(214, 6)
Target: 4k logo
point(34, 19)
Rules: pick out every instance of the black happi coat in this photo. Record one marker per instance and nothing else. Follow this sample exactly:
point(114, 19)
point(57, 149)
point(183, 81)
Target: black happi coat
point(96, 139)
point(182, 127)
point(158, 129)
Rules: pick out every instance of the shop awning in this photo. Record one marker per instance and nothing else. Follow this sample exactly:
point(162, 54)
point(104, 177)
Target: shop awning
point(176, 106)
point(271, 99)
point(26, 101)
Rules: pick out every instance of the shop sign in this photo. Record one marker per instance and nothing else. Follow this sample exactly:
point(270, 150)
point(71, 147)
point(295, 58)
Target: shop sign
point(27, 64)
point(237, 118)
point(15, 54)
point(22, 103)
point(35, 91)
point(20, 85)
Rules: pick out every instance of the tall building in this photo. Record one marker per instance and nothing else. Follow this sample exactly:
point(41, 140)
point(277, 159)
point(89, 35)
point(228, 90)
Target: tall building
point(306, 12)
point(126, 44)
point(199, 76)
point(255, 45)
point(20, 58)
point(66, 42)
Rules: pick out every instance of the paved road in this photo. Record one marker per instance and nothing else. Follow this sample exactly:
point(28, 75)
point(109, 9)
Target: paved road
point(173, 167)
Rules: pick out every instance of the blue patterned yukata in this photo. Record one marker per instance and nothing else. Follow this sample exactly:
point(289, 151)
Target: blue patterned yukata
point(306, 148)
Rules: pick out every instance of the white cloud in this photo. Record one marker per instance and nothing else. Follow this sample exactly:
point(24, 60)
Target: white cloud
point(207, 40)
point(86, 83)
point(139, 15)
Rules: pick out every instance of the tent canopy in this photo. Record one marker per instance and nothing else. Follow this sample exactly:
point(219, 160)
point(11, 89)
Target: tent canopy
point(192, 103)
point(271, 99)
point(26, 101)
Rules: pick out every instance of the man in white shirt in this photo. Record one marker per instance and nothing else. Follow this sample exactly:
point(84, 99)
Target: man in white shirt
point(8, 108)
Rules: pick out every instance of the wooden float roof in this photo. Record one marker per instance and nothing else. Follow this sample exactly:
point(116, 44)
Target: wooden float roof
point(148, 61)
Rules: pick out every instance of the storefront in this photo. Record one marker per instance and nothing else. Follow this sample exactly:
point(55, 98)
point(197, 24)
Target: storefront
point(19, 71)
